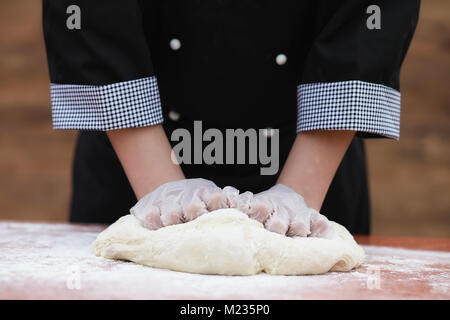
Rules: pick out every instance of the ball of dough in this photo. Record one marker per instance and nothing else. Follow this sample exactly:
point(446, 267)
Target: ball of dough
point(227, 242)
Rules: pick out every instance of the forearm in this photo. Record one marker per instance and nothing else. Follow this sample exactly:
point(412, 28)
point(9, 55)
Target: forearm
point(145, 156)
point(313, 161)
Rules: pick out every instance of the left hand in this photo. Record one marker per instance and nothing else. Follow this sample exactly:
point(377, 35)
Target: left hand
point(178, 201)
point(282, 210)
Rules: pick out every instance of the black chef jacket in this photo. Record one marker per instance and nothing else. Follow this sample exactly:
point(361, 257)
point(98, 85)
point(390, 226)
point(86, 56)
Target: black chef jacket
point(287, 64)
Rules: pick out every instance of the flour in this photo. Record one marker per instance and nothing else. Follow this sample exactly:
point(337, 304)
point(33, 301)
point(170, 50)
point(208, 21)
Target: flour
point(36, 260)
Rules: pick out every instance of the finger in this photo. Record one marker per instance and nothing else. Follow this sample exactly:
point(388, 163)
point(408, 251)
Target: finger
point(279, 221)
point(260, 209)
point(171, 211)
point(243, 202)
point(214, 198)
point(319, 224)
point(299, 224)
point(150, 218)
point(231, 195)
point(193, 208)
point(147, 212)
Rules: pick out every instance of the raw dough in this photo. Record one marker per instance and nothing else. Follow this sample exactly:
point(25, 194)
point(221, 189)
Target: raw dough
point(227, 242)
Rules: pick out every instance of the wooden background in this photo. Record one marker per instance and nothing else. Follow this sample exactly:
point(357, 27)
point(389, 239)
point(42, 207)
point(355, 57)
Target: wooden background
point(409, 180)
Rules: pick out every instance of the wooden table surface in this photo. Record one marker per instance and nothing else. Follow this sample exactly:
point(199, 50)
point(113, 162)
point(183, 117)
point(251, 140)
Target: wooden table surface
point(53, 261)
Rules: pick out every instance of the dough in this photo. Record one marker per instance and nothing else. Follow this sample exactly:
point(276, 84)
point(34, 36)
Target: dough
point(227, 242)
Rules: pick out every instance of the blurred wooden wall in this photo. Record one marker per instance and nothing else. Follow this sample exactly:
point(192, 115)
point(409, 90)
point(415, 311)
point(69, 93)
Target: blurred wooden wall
point(409, 179)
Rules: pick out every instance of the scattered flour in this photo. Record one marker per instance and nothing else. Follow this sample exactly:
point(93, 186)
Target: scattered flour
point(41, 261)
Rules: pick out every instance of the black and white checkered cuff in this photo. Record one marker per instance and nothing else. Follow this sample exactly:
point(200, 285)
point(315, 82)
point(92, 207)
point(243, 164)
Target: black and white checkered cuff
point(368, 108)
point(128, 104)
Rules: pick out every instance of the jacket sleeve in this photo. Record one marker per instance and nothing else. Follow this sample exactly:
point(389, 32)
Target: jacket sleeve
point(350, 80)
point(100, 66)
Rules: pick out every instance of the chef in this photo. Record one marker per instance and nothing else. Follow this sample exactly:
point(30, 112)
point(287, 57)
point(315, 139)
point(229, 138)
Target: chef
point(316, 77)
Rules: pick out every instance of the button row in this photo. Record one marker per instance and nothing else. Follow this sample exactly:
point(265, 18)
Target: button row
point(175, 44)
point(175, 116)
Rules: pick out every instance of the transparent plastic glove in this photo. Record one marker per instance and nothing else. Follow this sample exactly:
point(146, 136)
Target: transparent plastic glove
point(282, 210)
point(179, 201)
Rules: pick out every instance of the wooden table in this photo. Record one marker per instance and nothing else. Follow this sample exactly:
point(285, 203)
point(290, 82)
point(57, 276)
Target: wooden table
point(53, 261)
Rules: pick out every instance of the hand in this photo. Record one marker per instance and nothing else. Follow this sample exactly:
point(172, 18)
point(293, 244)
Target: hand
point(179, 201)
point(280, 209)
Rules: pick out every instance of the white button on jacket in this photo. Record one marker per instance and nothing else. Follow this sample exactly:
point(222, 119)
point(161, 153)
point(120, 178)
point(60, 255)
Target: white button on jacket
point(281, 59)
point(175, 44)
point(173, 115)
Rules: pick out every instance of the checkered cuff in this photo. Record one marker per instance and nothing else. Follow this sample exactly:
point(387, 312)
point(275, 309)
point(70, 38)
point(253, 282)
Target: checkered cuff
point(368, 108)
point(128, 104)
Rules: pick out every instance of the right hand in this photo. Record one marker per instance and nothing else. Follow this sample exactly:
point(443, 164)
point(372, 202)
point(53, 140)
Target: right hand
point(179, 201)
point(282, 210)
